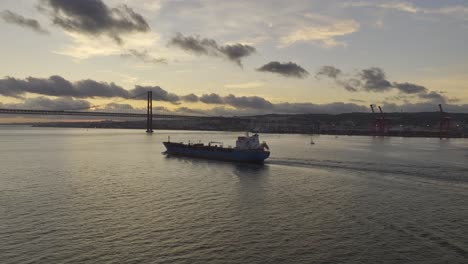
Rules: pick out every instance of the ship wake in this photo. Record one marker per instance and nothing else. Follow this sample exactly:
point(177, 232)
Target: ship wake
point(456, 175)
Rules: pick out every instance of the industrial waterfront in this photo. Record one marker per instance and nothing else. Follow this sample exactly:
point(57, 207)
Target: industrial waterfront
point(73, 195)
point(440, 124)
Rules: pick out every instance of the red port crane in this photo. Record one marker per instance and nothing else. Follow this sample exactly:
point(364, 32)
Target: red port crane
point(379, 125)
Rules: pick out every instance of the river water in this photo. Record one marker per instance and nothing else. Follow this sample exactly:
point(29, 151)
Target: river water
point(110, 196)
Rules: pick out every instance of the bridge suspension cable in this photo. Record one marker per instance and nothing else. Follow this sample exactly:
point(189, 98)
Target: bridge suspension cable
point(103, 105)
point(78, 111)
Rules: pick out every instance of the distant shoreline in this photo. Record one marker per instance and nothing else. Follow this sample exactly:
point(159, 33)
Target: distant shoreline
point(425, 124)
point(118, 125)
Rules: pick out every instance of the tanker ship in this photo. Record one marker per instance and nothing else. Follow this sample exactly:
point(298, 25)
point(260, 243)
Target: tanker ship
point(247, 149)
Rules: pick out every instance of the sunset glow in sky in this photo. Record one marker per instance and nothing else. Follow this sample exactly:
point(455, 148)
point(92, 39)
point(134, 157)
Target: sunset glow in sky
point(235, 57)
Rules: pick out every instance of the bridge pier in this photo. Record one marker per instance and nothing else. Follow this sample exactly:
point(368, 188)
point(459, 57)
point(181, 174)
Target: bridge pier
point(149, 113)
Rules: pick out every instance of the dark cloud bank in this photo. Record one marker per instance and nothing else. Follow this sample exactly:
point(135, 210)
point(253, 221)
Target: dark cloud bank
point(13, 18)
point(72, 95)
point(44, 103)
point(58, 86)
point(94, 17)
point(374, 80)
point(209, 47)
point(288, 69)
point(90, 17)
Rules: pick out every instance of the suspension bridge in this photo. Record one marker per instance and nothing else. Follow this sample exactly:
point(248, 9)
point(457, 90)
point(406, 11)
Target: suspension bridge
point(380, 127)
point(149, 116)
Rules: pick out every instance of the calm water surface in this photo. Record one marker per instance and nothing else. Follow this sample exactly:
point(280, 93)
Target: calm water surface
point(109, 196)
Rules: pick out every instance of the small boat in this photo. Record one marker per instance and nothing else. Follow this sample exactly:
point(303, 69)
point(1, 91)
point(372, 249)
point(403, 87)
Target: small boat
point(247, 149)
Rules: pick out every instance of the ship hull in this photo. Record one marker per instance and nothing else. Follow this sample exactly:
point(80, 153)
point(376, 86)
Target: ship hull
point(213, 153)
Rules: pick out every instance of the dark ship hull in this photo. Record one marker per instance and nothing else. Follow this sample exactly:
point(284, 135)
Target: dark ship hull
point(216, 153)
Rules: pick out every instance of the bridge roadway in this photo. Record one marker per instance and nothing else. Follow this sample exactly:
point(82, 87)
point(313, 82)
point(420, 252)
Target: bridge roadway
point(82, 113)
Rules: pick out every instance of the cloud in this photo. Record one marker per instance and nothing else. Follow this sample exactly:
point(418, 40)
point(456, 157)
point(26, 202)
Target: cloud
point(94, 17)
point(209, 47)
point(254, 102)
point(68, 92)
point(321, 30)
point(13, 18)
point(144, 56)
point(329, 71)
point(374, 80)
point(211, 99)
point(55, 86)
point(191, 98)
point(44, 103)
point(350, 84)
point(67, 103)
point(195, 45)
point(189, 111)
point(281, 108)
point(96, 29)
point(281, 22)
point(90, 88)
point(410, 88)
point(159, 94)
point(433, 96)
point(371, 80)
point(116, 107)
point(70, 104)
point(287, 69)
point(287, 108)
point(58, 86)
point(400, 6)
point(86, 46)
point(453, 100)
point(236, 52)
point(454, 11)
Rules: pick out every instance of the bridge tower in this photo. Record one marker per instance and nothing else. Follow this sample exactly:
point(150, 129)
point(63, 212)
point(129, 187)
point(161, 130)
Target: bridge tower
point(149, 113)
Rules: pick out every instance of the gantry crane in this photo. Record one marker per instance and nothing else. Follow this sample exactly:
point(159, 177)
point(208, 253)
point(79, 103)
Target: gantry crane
point(380, 124)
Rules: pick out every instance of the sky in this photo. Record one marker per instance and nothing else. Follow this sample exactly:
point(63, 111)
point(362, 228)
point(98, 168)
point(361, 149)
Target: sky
point(235, 57)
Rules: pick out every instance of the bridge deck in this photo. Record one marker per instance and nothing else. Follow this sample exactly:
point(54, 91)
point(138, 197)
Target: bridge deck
point(83, 113)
